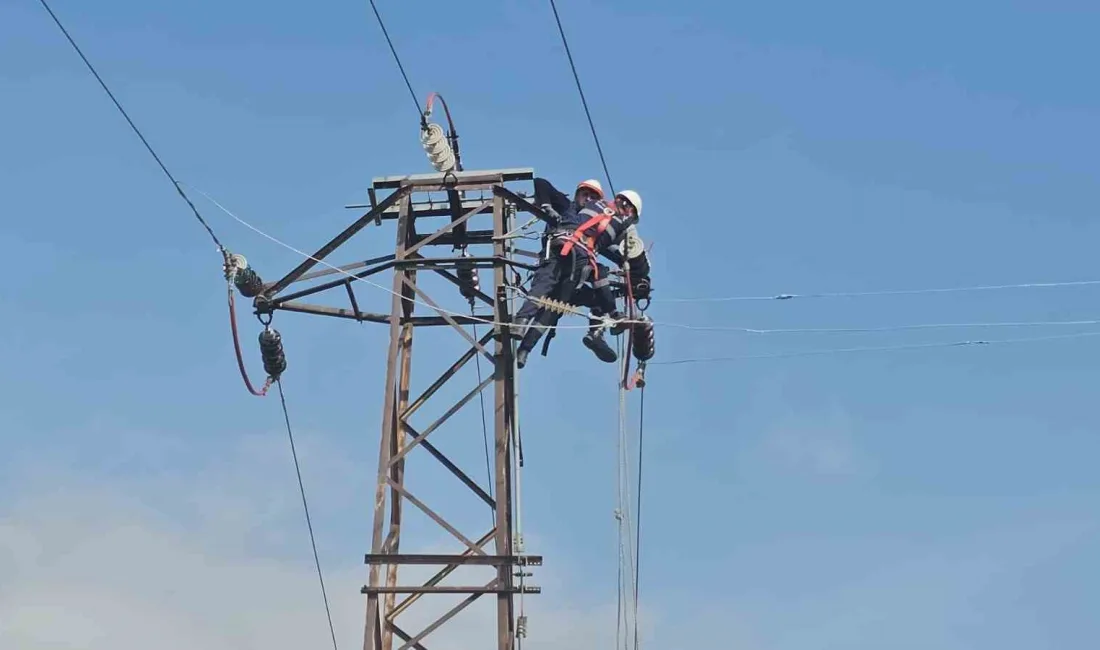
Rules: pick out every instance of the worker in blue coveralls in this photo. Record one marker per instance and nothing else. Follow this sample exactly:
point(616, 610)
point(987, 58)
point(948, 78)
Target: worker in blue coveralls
point(578, 231)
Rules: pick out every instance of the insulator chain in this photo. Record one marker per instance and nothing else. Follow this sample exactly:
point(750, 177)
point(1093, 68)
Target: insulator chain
point(470, 284)
point(645, 340)
point(247, 281)
point(557, 306)
point(271, 351)
point(439, 151)
point(521, 627)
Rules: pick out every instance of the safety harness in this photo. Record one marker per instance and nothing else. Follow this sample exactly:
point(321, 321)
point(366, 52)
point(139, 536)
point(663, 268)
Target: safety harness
point(588, 233)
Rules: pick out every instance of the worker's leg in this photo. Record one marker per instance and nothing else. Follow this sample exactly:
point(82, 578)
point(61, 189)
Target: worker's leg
point(532, 317)
point(590, 296)
point(543, 282)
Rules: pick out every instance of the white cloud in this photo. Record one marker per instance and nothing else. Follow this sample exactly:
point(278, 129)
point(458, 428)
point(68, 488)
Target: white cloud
point(187, 561)
point(817, 450)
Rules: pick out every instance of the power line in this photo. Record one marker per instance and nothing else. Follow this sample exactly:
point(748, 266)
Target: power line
point(638, 515)
point(890, 292)
point(305, 506)
point(884, 348)
point(687, 326)
point(133, 126)
point(484, 421)
point(396, 58)
point(217, 242)
point(584, 102)
point(353, 277)
point(884, 328)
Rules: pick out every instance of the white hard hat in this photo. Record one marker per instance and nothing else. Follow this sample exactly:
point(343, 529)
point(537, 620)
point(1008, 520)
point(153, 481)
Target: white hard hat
point(634, 198)
point(593, 185)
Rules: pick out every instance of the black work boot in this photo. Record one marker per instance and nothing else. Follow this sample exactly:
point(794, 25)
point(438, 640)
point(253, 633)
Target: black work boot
point(594, 341)
point(530, 338)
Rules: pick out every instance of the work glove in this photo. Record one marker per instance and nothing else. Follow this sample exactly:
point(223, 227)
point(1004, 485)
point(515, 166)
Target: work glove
point(555, 218)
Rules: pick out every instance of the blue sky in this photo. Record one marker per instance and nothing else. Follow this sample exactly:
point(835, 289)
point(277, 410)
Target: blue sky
point(941, 497)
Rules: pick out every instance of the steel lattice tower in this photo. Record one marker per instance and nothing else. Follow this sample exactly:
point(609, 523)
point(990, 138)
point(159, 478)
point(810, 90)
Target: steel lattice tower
point(410, 204)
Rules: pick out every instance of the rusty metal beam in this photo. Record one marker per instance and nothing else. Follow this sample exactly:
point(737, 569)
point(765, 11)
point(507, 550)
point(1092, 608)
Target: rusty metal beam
point(471, 238)
point(397, 476)
point(333, 283)
point(405, 636)
point(399, 308)
point(503, 373)
point(411, 589)
point(417, 321)
point(458, 179)
point(338, 312)
point(446, 229)
point(435, 516)
point(446, 558)
point(419, 437)
point(448, 615)
point(335, 243)
point(313, 275)
point(467, 556)
point(459, 474)
point(521, 203)
point(450, 319)
point(443, 378)
point(453, 279)
point(466, 228)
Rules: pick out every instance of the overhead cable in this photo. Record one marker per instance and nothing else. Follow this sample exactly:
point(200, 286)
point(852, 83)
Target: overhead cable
point(396, 58)
point(484, 420)
point(351, 276)
point(883, 348)
point(890, 292)
point(305, 506)
point(638, 514)
point(136, 130)
point(717, 328)
point(584, 102)
point(884, 328)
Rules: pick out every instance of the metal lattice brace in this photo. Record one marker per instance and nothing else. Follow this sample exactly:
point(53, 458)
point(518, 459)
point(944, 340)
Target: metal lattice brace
point(406, 207)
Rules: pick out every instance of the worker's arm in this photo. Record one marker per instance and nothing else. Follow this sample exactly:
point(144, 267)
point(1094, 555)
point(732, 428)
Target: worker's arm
point(545, 193)
point(629, 247)
point(636, 255)
point(613, 255)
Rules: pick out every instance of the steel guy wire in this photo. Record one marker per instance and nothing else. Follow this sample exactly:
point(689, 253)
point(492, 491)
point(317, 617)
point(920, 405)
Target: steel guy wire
point(883, 348)
point(715, 328)
point(136, 130)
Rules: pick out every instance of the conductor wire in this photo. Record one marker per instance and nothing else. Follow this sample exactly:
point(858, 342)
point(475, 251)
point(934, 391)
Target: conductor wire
point(305, 506)
point(883, 348)
point(893, 292)
point(136, 130)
